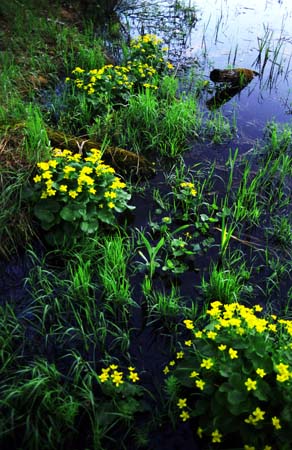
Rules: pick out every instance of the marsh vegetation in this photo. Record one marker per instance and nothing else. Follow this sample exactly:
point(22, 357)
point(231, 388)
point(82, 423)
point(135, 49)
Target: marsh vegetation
point(145, 281)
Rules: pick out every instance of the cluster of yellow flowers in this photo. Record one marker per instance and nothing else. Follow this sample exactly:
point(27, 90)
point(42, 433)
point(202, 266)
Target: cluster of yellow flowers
point(227, 322)
point(146, 39)
point(190, 187)
point(241, 318)
point(69, 174)
point(109, 74)
point(123, 78)
point(117, 377)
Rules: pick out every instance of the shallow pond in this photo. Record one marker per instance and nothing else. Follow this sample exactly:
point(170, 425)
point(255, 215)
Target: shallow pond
point(223, 33)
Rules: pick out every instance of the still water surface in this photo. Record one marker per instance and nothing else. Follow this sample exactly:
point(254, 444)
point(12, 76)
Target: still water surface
point(255, 34)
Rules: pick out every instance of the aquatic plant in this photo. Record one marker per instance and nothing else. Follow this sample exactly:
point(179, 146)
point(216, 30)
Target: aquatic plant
point(143, 67)
point(233, 378)
point(76, 194)
point(49, 410)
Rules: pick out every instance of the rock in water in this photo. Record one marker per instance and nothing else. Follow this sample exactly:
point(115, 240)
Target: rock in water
point(238, 76)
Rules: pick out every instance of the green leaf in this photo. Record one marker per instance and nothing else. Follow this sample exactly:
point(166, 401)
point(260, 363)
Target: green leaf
point(204, 217)
point(201, 407)
point(71, 212)
point(45, 216)
point(89, 227)
point(235, 397)
point(225, 371)
point(106, 216)
point(48, 204)
point(236, 381)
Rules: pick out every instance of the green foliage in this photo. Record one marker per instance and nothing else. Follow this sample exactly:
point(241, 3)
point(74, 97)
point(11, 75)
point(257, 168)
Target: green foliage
point(280, 231)
point(77, 193)
point(159, 125)
point(115, 84)
point(234, 377)
point(112, 270)
point(218, 128)
point(43, 411)
point(15, 218)
point(36, 138)
point(227, 284)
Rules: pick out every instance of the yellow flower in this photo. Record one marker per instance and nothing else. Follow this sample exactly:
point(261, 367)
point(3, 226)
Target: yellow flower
point(172, 363)
point(103, 377)
point(182, 403)
point(261, 373)
point(63, 188)
point(200, 384)
point(179, 355)
point(200, 432)
point(43, 166)
point(188, 343)
point(258, 414)
point(47, 175)
point(51, 192)
point(250, 384)
point(258, 308)
point(117, 378)
point(284, 373)
point(117, 184)
point(108, 194)
point(211, 334)
point(189, 324)
point(222, 347)
point(111, 205)
point(37, 179)
point(207, 363)
point(276, 423)
point(73, 194)
point(134, 376)
point(113, 366)
point(216, 436)
point(184, 415)
point(251, 420)
point(166, 370)
point(67, 170)
point(248, 447)
point(92, 190)
point(53, 163)
point(267, 447)
point(194, 374)
point(78, 70)
point(198, 334)
point(233, 353)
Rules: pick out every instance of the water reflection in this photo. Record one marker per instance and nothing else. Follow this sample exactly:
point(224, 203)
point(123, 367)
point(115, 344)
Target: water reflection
point(256, 34)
